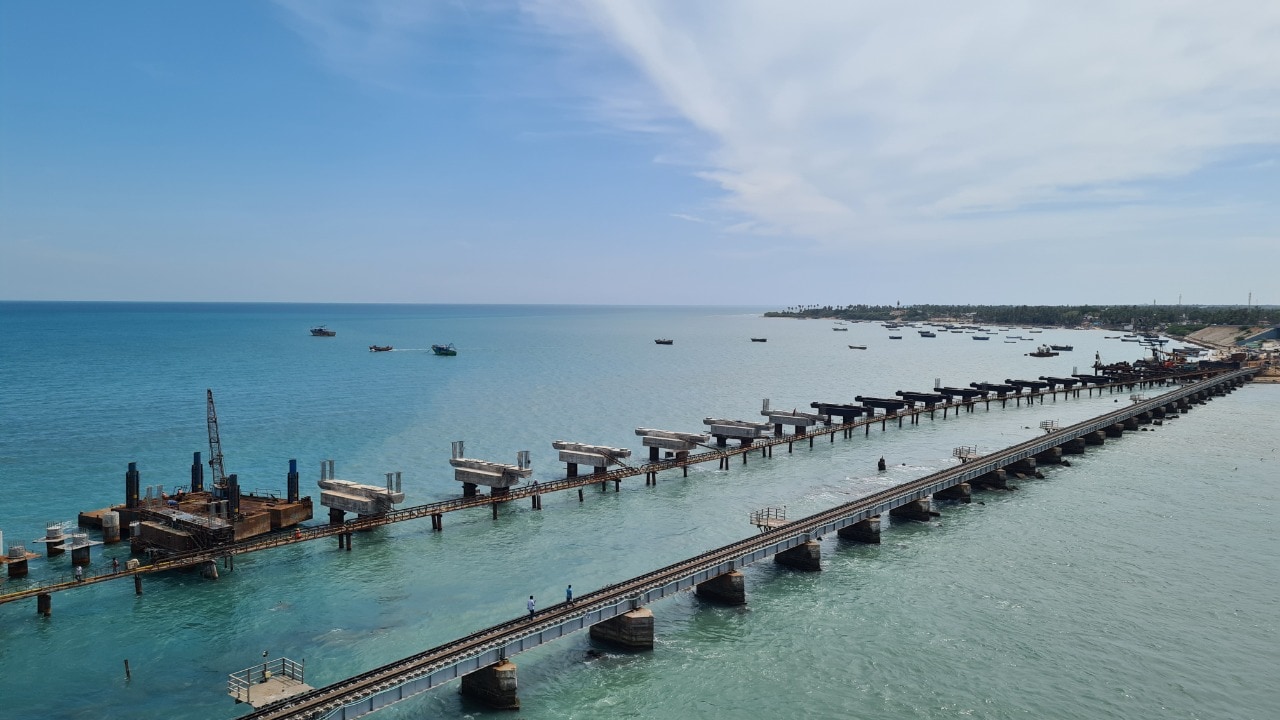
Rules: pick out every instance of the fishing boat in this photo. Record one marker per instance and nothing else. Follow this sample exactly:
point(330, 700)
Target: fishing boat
point(840, 329)
point(759, 339)
point(895, 337)
point(664, 341)
point(1067, 348)
point(926, 333)
point(981, 337)
point(857, 347)
point(444, 349)
point(379, 348)
point(322, 331)
point(1043, 351)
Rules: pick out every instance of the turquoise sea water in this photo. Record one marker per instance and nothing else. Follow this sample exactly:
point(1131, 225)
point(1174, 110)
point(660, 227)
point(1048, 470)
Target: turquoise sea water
point(1139, 583)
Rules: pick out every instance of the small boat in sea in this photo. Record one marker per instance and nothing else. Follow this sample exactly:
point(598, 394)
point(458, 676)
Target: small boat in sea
point(664, 341)
point(448, 350)
point(322, 331)
point(759, 339)
point(1066, 348)
point(1035, 331)
point(927, 333)
point(895, 337)
point(380, 348)
point(1043, 351)
point(840, 329)
point(981, 337)
point(857, 347)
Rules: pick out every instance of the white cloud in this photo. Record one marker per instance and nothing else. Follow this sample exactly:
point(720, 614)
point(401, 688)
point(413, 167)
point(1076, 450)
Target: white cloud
point(848, 122)
point(372, 40)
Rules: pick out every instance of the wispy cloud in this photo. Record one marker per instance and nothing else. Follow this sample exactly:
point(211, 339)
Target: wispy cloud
point(850, 122)
point(372, 40)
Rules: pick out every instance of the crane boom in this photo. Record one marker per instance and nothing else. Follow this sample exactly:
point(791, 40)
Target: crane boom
point(215, 446)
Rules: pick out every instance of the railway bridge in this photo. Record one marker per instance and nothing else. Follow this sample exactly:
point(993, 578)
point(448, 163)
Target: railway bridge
point(482, 659)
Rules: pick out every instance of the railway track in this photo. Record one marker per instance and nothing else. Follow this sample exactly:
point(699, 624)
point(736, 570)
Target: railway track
point(352, 693)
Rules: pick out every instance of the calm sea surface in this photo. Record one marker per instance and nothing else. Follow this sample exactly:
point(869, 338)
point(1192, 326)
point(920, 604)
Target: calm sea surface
point(1139, 583)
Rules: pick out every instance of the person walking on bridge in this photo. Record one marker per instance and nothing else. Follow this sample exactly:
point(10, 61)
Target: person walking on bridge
point(568, 595)
point(532, 607)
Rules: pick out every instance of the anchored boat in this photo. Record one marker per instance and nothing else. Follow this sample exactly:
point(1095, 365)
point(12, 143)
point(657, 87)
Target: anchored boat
point(444, 349)
point(664, 341)
point(322, 331)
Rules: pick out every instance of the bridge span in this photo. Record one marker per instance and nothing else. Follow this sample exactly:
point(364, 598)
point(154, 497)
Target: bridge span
point(483, 650)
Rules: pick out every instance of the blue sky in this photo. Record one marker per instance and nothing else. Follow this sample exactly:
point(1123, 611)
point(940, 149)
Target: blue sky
point(640, 152)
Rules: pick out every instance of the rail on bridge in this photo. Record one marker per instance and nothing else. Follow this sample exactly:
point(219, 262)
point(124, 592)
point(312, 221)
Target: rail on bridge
point(488, 648)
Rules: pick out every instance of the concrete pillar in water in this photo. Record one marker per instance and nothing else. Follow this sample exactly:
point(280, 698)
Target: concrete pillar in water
point(961, 492)
point(997, 479)
point(805, 556)
point(494, 686)
point(920, 510)
point(1052, 456)
point(17, 565)
point(863, 531)
point(1026, 467)
point(111, 527)
point(336, 516)
point(727, 589)
point(1095, 438)
point(1114, 430)
point(468, 489)
point(1131, 423)
point(1073, 447)
point(632, 630)
point(209, 570)
point(80, 555)
point(1144, 418)
point(44, 604)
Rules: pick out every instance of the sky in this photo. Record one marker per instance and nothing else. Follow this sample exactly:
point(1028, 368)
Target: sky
point(641, 151)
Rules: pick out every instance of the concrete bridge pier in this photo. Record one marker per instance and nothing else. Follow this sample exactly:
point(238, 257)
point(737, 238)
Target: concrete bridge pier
point(494, 686)
point(997, 479)
point(1052, 456)
point(727, 589)
point(961, 492)
point(1024, 468)
point(1132, 423)
point(630, 631)
point(1095, 438)
point(863, 531)
point(1114, 431)
point(806, 556)
point(44, 604)
point(919, 510)
point(337, 516)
